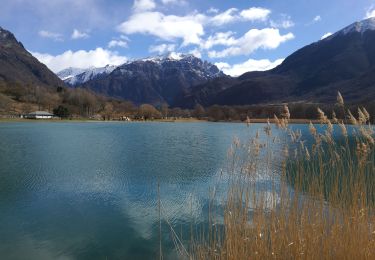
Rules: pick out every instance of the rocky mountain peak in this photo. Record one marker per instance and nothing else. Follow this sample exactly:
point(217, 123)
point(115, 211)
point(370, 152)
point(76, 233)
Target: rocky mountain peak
point(186, 64)
point(155, 80)
point(7, 39)
point(170, 56)
point(357, 27)
point(183, 63)
point(17, 65)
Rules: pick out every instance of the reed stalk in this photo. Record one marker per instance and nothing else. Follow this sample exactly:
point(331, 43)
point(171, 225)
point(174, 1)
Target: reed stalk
point(320, 200)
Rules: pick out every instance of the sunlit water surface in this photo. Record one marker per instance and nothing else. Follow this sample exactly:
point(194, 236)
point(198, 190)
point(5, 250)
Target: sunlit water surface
point(90, 190)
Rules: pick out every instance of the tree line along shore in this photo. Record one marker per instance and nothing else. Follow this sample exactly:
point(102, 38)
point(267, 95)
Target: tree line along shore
point(83, 104)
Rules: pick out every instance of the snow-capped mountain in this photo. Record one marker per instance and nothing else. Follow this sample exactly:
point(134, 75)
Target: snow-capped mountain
point(167, 56)
point(361, 27)
point(358, 27)
point(185, 62)
point(171, 56)
point(69, 73)
point(77, 76)
point(155, 80)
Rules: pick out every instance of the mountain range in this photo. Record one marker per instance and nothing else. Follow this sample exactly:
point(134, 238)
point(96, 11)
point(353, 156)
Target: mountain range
point(344, 61)
point(154, 80)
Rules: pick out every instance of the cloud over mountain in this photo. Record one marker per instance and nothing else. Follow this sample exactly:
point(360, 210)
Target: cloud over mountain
point(216, 31)
point(268, 38)
point(249, 65)
point(166, 27)
point(81, 59)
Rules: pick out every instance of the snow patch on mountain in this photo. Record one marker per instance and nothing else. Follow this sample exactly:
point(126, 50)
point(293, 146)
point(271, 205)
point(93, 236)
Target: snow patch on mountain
point(359, 27)
point(172, 56)
point(76, 76)
point(173, 61)
point(178, 61)
point(69, 73)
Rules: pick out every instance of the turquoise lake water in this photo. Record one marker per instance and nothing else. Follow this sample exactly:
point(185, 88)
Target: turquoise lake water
point(90, 190)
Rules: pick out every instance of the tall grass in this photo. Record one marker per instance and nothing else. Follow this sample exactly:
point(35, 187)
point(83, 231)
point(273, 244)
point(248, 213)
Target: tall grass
point(320, 198)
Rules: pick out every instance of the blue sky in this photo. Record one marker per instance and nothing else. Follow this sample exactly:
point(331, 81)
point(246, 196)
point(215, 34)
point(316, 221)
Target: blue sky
point(238, 36)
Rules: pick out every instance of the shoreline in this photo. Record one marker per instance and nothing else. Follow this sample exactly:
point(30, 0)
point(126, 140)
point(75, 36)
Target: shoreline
point(181, 120)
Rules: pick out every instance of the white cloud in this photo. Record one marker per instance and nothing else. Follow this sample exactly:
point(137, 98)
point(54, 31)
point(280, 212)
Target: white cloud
point(79, 35)
point(233, 15)
point(162, 48)
point(51, 35)
point(143, 5)
point(317, 19)
point(225, 17)
point(167, 27)
point(176, 2)
point(80, 59)
point(326, 35)
point(268, 38)
point(188, 28)
point(220, 38)
point(117, 43)
point(212, 10)
point(282, 24)
point(255, 14)
point(249, 65)
point(370, 12)
point(196, 52)
point(286, 22)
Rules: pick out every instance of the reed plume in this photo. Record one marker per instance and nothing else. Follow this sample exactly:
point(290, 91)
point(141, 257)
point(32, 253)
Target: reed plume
point(320, 203)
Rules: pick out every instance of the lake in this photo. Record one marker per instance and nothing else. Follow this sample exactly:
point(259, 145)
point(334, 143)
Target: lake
point(90, 190)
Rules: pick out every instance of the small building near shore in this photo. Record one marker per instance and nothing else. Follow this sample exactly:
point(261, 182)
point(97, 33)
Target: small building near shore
point(125, 118)
point(39, 115)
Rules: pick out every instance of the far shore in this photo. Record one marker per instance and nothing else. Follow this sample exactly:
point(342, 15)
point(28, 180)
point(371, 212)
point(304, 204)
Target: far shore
point(178, 120)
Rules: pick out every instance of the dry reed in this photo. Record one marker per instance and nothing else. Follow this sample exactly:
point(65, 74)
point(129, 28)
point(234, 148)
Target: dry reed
point(320, 201)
